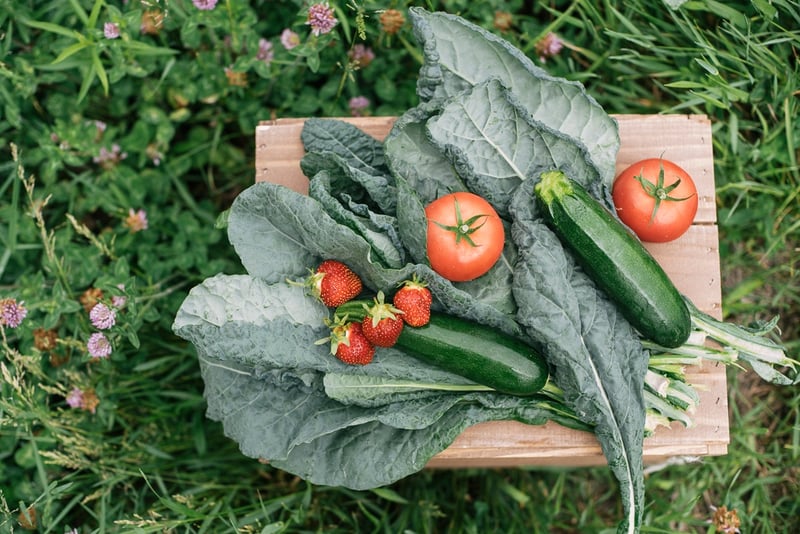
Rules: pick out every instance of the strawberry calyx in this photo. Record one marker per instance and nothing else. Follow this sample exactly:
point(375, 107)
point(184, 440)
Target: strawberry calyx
point(414, 299)
point(332, 283)
point(414, 283)
point(339, 327)
point(347, 341)
point(312, 283)
point(380, 310)
point(382, 324)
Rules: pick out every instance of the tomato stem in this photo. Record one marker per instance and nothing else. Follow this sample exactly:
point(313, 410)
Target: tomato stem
point(463, 229)
point(658, 191)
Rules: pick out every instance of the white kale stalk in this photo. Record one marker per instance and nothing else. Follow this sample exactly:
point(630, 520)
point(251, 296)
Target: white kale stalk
point(668, 395)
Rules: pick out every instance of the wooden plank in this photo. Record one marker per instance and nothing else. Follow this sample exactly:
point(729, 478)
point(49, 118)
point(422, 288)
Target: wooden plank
point(685, 139)
point(508, 443)
point(692, 262)
point(279, 149)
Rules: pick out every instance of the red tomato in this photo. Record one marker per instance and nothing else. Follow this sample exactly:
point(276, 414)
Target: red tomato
point(656, 198)
point(465, 236)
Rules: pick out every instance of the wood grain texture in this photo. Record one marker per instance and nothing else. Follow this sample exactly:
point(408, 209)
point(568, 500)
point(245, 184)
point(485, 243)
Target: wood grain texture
point(692, 262)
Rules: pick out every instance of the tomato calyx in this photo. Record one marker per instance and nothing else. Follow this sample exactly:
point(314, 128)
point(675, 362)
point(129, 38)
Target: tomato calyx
point(658, 191)
point(464, 229)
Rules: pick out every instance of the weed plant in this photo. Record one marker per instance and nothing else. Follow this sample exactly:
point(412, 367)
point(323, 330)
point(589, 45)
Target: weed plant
point(126, 129)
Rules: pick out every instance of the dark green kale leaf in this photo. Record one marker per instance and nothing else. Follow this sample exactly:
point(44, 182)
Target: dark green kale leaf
point(597, 357)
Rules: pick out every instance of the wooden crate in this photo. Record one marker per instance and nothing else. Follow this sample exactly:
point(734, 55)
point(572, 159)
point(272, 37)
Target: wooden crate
point(692, 262)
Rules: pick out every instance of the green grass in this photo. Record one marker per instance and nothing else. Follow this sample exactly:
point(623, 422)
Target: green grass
point(149, 461)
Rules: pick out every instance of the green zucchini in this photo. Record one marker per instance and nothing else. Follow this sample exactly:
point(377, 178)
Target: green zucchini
point(615, 260)
point(472, 350)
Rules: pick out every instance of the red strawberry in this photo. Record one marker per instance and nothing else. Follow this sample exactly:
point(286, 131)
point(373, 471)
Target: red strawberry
point(382, 325)
point(334, 283)
point(414, 299)
point(348, 342)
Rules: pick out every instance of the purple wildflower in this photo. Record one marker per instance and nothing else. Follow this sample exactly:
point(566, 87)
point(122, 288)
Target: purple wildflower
point(357, 105)
point(289, 39)
point(102, 316)
point(361, 55)
point(118, 301)
point(154, 154)
point(108, 159)
point(75, 398)
point(205, 5)
point(12, 312)
point(83, 399)
point(99, 346)
point(321, 18)
point(111, 30)
point(136, 221)
point(99, 130)
point(549, 46)
point(265, 52)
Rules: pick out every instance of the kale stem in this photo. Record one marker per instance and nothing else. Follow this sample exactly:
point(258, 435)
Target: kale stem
point(662, 406)
point(690, 353)
point(743, 341)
